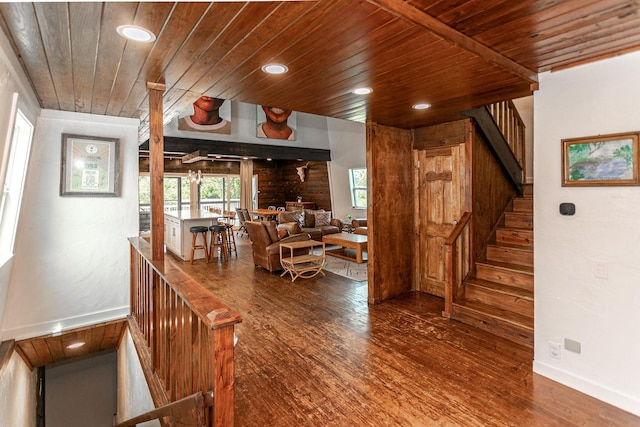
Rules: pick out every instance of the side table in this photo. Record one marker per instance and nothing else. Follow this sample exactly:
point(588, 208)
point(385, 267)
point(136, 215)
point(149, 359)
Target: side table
point(348, 228)
point(305, 266)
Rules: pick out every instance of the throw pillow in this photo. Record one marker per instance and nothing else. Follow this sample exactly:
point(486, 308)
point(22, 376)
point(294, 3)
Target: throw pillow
point(283, 233)
point(272, 230)
point(323, 218)
point(309, 220)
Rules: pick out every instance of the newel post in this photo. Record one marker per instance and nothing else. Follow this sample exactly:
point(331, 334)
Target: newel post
point(156, 169)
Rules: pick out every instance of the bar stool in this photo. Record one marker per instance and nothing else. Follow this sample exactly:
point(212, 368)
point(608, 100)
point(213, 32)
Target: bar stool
point(231, 240)
point(218, 241)
point(194, 237)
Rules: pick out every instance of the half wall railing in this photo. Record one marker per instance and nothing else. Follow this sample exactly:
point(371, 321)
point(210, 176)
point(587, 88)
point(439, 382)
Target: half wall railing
point(188, 334)
point(457, 262)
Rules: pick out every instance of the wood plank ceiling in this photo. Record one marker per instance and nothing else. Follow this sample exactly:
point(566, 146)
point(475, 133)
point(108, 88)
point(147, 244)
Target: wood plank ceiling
point(454, 55)
point(46, 350)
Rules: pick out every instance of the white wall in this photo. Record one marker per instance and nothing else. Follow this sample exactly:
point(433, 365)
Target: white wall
point(570, 302)
point(12, 81)
point(18, 392)
point(134, 397)
point(348, 150)
point(71, 266)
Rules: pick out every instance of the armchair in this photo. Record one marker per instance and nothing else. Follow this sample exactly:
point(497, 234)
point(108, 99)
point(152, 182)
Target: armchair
point(265, 243)
point(359, 225)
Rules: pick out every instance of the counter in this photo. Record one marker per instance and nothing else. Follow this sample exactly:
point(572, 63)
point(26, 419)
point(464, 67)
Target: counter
point(177, 237)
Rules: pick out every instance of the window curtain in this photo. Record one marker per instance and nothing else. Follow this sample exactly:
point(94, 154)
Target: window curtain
point(246, 178)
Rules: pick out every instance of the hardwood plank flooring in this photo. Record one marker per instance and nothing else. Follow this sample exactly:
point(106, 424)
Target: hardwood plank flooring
point(314, 353)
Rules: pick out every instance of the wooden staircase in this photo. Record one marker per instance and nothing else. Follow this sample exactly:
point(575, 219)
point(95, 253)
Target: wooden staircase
point(499, 297)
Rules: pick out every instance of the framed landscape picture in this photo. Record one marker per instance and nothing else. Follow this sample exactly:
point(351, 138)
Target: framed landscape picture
point(90, 166)
point(600, 160)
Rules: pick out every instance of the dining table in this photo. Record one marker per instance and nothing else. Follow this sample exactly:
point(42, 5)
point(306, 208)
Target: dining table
point(264, 214)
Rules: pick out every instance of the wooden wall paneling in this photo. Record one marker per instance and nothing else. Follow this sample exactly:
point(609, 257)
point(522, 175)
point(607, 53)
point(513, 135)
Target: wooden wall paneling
point(270, 183)
point(492, 191)
point(315, 188)
point(442, 135)
point(390, 211)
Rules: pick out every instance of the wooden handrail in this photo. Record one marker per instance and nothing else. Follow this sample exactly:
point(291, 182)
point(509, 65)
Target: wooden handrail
point(458, 261)
point(188, 332)
point(188, 411)
point(506, 116)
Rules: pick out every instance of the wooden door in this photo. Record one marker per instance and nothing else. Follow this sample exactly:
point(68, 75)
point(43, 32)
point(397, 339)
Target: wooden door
point(439, 195)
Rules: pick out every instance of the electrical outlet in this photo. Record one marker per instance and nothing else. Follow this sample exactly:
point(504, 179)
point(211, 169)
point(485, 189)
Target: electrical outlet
point(555, 350)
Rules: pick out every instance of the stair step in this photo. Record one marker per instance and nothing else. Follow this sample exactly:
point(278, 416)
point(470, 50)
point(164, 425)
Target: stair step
point(518, 219)
point(512, 326)
point(520, 276)
point(508, 298)
point(527, 190)
point(514, 254)
point(523, 204)
point(514, 236)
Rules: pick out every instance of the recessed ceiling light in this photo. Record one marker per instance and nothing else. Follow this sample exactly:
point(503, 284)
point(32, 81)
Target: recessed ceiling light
point(269, 159)
point(362, 90)
point(421, 106)
point(76, 345)
point(275, 68)
point(135, 33)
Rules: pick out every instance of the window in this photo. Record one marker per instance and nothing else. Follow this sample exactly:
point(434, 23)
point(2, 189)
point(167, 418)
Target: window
point(220, 191)
point(358, 183)
point(14, 182)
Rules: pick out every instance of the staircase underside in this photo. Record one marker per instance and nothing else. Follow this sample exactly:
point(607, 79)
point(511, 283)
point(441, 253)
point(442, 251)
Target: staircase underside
point(498, 298)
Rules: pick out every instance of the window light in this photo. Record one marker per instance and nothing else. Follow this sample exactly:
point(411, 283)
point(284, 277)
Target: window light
point(135, 33)
point(362, 90)
point(275, 68)
point(421, 106)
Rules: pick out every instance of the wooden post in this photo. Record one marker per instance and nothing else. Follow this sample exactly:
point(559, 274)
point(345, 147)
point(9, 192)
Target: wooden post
point(221, 345)
point(156, 169)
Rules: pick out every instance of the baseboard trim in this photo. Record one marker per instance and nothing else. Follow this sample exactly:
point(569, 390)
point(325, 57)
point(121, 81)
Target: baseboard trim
point(55, 326)
point(605, 394)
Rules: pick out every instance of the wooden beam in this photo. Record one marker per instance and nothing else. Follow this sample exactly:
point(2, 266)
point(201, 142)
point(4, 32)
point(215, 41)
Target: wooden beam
point(241, 149)
point(409, 13)
point(156, 169)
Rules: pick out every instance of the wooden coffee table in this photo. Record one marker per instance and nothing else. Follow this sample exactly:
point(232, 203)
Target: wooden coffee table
point(358, 242)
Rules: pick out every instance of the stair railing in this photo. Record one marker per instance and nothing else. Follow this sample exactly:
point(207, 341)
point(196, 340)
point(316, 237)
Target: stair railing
point(188, 411)
point(188, 334)
point(512, 127)
point(458, 262)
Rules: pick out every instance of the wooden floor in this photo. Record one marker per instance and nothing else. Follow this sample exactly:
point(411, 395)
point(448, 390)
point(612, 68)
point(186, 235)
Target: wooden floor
point(314, 353)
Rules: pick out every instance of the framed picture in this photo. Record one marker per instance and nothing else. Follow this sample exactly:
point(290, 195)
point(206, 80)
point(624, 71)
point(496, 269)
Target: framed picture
point(90, 166)
point(600, 160)
point(275, 123)
point(207, 114)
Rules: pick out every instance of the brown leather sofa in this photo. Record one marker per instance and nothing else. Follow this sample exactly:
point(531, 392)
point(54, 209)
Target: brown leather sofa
point(307, 222)
point(359, 225)
point(265, 243)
